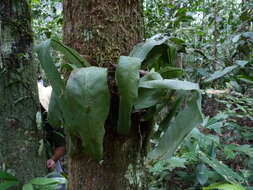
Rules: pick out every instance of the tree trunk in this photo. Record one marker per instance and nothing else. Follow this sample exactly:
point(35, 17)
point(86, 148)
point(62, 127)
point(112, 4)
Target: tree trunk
point(102, 31)
point(19, 135)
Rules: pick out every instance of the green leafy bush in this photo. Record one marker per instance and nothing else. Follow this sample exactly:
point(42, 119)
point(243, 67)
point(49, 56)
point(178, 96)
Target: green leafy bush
point(40, 183)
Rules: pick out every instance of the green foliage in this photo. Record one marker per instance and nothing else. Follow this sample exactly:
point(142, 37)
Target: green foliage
point(218, 54)
point(47, 62)
point(178, 129)
point(224, 187)
point(127, 78)
point(219, 74)
point(39, 183)
point(228, 174)
point(168, 164)
point(169, 84)
point(70, 55)
point(54, 111)
point(160, 53)
point(214, 152)
point(217, 36)
point(47, 19)
point(142, 50)
point(7, 184)
point(81, 91)
point(149, 97)
point(7, 180)
point(7, 176)
point(86, 85)
point(201, 174)
point(88, 107)
point(28, 186)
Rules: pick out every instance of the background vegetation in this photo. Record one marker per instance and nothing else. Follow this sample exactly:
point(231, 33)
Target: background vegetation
point(218, 54)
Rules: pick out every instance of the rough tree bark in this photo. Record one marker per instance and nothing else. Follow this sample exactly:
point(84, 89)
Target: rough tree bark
point(101, 31)
point(19, 135)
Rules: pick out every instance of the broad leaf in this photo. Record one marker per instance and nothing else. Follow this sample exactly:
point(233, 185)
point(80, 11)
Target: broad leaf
point(149, 97)
point(127, 77)
point(227, 173)
point(173, 108)
point(201, 174)
point(178, 129)
point(89, 102)
point(28, 186)
point(220, 73)
point(141, 50)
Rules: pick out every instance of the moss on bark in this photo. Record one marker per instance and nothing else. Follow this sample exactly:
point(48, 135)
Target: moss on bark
point(103, 30)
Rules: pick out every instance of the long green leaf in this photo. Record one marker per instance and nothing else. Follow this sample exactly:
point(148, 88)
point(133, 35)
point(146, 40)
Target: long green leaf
point(44, 55)
point(246, 78)
point(224, 187)
point(53, 75)
point(43, 181)
point(70, 55)
point(7, 184)
point(169, 84)
point(174, 107)
point(90, 101)
point(55, 115)
point(227, 173)
point(46, 60)
point(127, 77)
point(183, 124)
point(220, 73)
